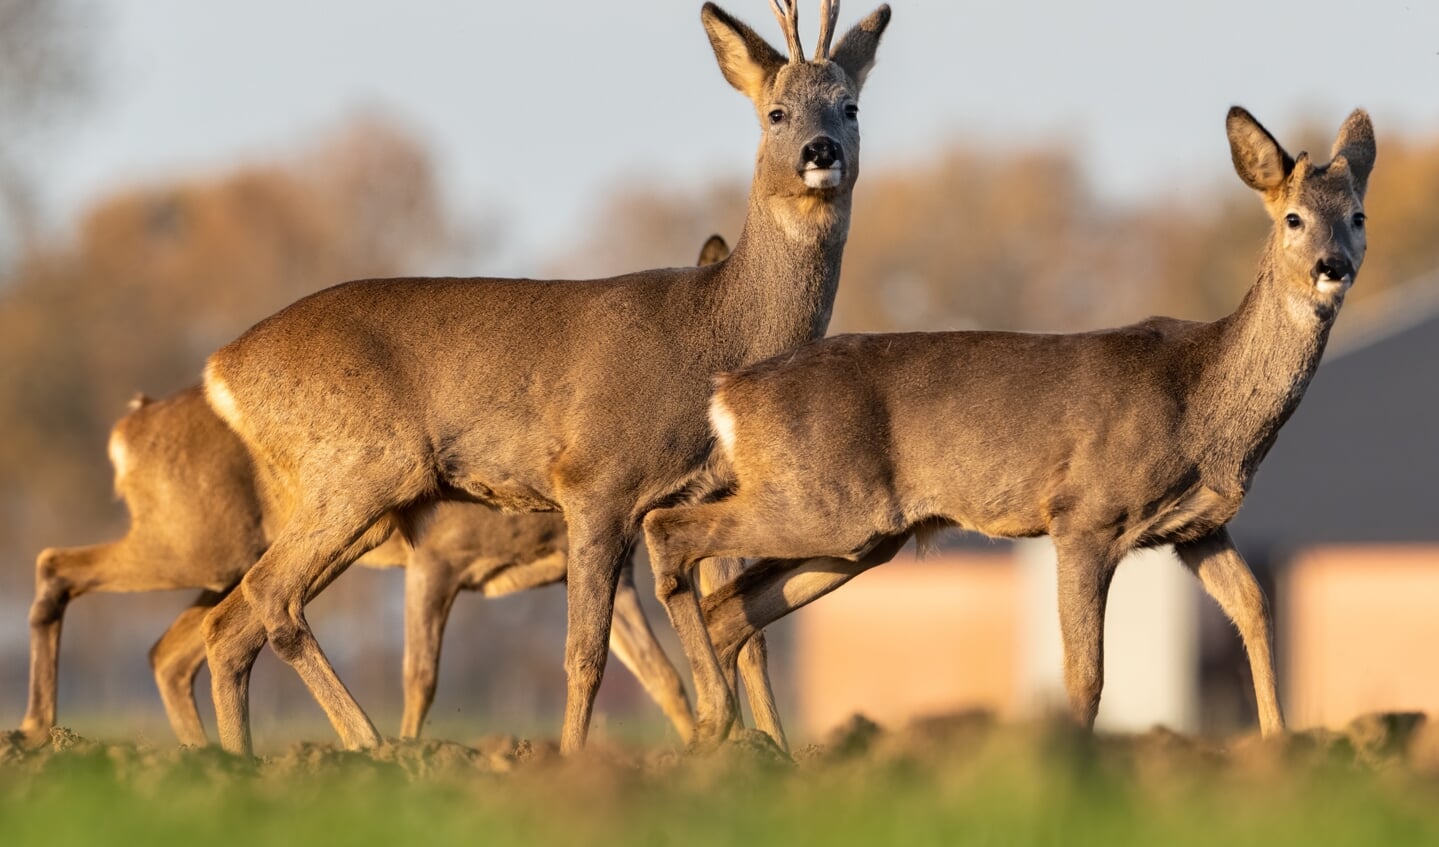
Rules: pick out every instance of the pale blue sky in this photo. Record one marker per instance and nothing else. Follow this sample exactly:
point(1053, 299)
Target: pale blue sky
point(534, 109)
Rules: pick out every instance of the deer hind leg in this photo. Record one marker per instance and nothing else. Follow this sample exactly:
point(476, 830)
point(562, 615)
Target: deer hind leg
point(1085, 572)
point(598, 550)
point(61, 575)
point(634, 644)
point(316, 546)
point(176, 659)
point(234, 636)
point(631, 638)
point(769, 589)
point(678, 538)
point(431, 584)
point(753, 660)
point(1227, 578)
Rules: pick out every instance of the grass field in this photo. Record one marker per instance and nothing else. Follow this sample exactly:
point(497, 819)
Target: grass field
point(956, 780)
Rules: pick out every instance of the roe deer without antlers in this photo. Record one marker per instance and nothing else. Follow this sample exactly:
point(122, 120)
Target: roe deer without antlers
point(1106, 441)
point(199, 520)
point(372, 400)
point(178, 467)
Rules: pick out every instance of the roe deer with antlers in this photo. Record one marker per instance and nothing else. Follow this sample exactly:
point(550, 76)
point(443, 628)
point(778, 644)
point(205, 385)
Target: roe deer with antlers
point(1106, 441)
point(373, 400)
point(199, 520)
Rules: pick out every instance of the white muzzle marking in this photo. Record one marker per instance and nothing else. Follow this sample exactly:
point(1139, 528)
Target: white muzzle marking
point(823, 177)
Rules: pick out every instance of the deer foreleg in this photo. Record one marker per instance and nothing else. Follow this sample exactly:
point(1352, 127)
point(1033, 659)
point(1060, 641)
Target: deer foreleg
point(1227, 578)
point(753, 659)
point(430, 588)
point(1085, 571)
point(634, 644)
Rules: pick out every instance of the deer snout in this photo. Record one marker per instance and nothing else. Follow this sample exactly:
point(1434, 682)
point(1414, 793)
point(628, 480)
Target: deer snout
point(823, 163)
point(1331, 270)
point(822, 153)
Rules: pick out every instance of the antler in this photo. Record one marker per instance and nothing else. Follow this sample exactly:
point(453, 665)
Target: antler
point(828, 15)
point(787, 11)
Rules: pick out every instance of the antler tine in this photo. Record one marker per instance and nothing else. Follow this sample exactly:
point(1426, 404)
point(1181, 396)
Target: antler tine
point(787, 11)
point(828, 17)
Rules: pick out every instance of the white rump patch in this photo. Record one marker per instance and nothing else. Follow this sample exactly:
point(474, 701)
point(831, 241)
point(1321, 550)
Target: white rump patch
point(823, 177)
point(722, 422)
point(218, 393)
point(119, 455)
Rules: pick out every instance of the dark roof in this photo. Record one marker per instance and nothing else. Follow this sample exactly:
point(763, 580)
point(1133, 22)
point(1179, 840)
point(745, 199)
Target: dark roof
point(1359, 460)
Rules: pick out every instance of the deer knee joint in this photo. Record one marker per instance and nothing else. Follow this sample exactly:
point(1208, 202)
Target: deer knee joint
point(47, 565)
point(584, 671)
point(287, 638)
point(230, 631)
point(156, 656)
point(670, 583)
point(52, 592)
point(420, 674)
point(47, 609)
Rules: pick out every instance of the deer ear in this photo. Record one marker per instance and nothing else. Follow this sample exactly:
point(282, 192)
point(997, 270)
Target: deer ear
point(746, 60)
point(1258, 158)
point(715, 250)
point(1355, 145)
point(855, 52)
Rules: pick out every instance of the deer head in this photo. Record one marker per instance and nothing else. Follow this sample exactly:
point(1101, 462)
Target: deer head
point(1318, 240)
point(808, 109)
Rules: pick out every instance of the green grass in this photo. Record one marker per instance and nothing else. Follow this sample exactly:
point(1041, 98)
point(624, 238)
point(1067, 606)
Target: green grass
point(967, 786)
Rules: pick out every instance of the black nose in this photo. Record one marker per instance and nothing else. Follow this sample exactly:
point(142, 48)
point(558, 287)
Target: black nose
point(822, 152)
point(1332, 267)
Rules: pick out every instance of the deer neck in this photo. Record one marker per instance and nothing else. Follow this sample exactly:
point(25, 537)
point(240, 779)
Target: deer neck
point(1267, 351)
point(779, 284)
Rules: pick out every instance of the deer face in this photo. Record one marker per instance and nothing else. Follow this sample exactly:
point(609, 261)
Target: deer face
point(810, 119)
point(1318, 210)
point(1320, 232)
point(808, 110)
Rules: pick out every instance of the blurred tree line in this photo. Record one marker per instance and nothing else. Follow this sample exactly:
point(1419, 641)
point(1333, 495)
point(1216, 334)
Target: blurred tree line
point(155, 278)
point(1019, 239)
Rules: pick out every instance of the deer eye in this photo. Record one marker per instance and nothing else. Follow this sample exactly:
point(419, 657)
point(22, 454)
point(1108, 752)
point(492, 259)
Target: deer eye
point(851, 111)
point(776, 116)
point(1293, 221)
point(1359, 220)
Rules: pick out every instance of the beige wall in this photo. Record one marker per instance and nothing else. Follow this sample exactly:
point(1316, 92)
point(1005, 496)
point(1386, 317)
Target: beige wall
point(1361, 632)
point(911, 638)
